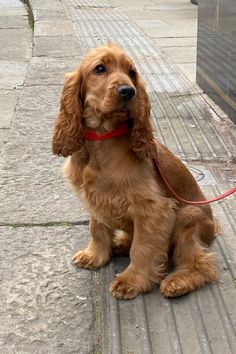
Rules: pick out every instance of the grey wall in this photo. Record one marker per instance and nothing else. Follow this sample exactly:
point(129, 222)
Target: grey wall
point(216, 52)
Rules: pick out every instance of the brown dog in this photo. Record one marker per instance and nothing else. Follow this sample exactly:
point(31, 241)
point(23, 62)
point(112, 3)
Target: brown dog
point(120, 188)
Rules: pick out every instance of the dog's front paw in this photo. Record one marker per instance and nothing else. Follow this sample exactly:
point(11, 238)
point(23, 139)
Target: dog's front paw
point(121, 289)
point(90, 260)
point(83, 259)
point(174, 287)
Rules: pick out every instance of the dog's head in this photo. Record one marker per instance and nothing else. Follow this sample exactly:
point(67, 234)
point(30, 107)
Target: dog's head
point(105, 89)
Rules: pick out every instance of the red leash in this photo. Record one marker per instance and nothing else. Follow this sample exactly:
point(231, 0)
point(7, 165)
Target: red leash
point(198, 202)
point(123, 129)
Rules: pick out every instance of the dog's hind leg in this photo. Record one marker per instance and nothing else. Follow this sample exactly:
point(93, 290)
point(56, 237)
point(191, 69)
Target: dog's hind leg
point(195, 265)
point(121, 243)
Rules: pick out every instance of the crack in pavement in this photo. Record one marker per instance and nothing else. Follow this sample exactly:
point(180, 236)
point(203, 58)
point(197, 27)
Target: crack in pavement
point(47, 224)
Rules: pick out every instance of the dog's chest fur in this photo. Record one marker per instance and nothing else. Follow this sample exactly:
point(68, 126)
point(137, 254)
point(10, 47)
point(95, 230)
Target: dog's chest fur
point(103, 193)
point(109, 185)
point(107, 195)
point(107, 207)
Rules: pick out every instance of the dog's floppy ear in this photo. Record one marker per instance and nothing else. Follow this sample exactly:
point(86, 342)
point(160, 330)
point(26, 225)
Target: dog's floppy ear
point(68, 135)
point(142, 134)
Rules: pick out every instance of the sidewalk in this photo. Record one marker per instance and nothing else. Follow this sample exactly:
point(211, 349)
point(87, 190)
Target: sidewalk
point(48, 306)
point(15, 54)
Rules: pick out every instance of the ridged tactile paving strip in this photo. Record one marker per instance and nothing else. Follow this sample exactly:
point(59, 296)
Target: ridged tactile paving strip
point(185, 125)
point(95, 4)
point(204, 321)
point(101, 14)
point(182, 119)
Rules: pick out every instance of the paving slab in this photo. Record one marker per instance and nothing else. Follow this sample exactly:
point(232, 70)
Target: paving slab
point(48, 71)
point(41, 98)
point(7, 68)
point(12, 11)
point(177, 42)
point(56, 46)
point(45, 5)
point(32, 128)
point(171, 5)
point(32, 188)
point(159, 28)
point(180, 54)
point(56, 12)
point(8, 101)
point(7, 3)
point(53, 28)
point(135, 11)
point(9, 40)
point(189, 69)
point(13, 21)
point(46, 303)
point(3, 136)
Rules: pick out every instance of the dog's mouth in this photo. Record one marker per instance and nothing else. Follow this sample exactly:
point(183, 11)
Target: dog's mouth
point(110, 120)
point(122, 114)
point(121, 110)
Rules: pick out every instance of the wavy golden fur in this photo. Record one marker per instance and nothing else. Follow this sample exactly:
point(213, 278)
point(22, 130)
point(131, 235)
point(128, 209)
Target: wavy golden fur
point(116, 180)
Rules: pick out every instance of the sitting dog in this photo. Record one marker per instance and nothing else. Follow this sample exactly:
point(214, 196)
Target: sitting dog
point(116, 180)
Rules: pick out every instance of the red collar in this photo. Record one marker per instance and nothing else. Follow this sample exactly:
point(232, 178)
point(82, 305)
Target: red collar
point(122, 129)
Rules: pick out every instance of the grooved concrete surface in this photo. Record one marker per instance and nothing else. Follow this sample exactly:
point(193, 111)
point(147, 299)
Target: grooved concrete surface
point(47, 305)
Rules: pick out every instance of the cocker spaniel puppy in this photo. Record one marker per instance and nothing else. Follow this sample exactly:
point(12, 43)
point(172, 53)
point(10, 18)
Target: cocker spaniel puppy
point(116, 180)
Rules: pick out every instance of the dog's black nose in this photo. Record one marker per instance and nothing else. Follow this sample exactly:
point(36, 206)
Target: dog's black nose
point(126, 92)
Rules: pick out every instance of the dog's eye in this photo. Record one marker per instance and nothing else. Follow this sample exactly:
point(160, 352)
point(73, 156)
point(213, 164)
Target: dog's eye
point(132, 74)
point(100, 69)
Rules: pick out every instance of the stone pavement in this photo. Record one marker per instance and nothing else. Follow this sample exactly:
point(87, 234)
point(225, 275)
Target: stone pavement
point(15, 54)
point(47, 305)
